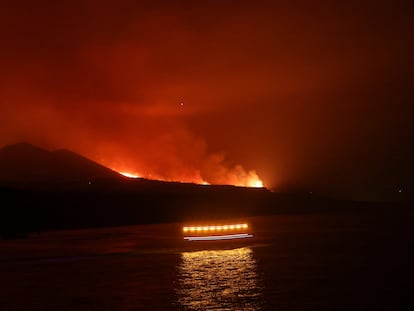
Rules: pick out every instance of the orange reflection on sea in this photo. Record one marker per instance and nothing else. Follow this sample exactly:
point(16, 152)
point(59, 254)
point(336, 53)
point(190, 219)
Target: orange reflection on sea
point(220, 280)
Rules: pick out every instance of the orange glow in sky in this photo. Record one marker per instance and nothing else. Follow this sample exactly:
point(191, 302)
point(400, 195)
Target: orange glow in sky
point(214, 93)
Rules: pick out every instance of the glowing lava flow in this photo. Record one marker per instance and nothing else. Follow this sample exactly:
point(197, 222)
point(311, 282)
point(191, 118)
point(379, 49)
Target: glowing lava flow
point(255, 183)
point(250, 180)
point(130, 175)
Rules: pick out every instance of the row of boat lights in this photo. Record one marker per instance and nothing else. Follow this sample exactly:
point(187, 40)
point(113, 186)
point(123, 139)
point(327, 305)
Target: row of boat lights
point(214, 228)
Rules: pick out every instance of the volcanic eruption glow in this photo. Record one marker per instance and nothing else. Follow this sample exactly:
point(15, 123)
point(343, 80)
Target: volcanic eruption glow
point(205, 169)
point(250, 180)
point(130, 175)
point(255, 183)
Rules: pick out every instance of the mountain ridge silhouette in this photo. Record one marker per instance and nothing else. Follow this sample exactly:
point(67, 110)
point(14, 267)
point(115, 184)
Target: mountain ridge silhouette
point(24, 162)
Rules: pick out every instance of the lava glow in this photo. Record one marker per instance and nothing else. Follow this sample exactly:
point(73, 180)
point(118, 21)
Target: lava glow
point(205, 169)
point(130, 175)
point(255, 183)
point(250, 181)
point(246, 179)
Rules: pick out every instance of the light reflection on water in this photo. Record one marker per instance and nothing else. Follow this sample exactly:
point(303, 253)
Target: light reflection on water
point(219, 279)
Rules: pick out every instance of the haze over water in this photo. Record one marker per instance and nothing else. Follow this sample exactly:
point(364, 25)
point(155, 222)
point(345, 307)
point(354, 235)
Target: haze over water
point(337, 261)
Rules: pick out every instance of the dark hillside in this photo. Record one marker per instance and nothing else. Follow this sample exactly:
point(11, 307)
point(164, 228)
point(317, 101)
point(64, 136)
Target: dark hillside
point(24, 163)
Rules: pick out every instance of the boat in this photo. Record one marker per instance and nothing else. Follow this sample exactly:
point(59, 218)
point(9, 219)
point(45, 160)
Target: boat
point(216, 232)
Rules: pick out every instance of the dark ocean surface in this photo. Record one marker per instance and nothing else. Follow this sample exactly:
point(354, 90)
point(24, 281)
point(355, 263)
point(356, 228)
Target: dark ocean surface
point(359, 260)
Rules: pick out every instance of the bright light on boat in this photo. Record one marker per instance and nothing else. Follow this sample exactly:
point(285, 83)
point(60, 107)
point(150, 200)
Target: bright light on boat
point(218, 237)
point(215, 228)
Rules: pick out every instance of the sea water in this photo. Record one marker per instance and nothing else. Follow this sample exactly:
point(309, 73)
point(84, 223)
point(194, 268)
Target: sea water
point(331, 261)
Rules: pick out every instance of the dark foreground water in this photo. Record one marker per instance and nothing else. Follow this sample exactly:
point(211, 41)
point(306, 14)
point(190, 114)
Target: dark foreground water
point(335, 261)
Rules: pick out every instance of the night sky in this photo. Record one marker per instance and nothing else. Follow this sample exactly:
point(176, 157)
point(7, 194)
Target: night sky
point(310, 95)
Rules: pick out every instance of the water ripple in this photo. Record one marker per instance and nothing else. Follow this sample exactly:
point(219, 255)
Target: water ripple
point(219, 279)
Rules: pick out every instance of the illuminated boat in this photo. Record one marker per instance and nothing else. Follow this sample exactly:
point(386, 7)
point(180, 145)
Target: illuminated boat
point(223, 232)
